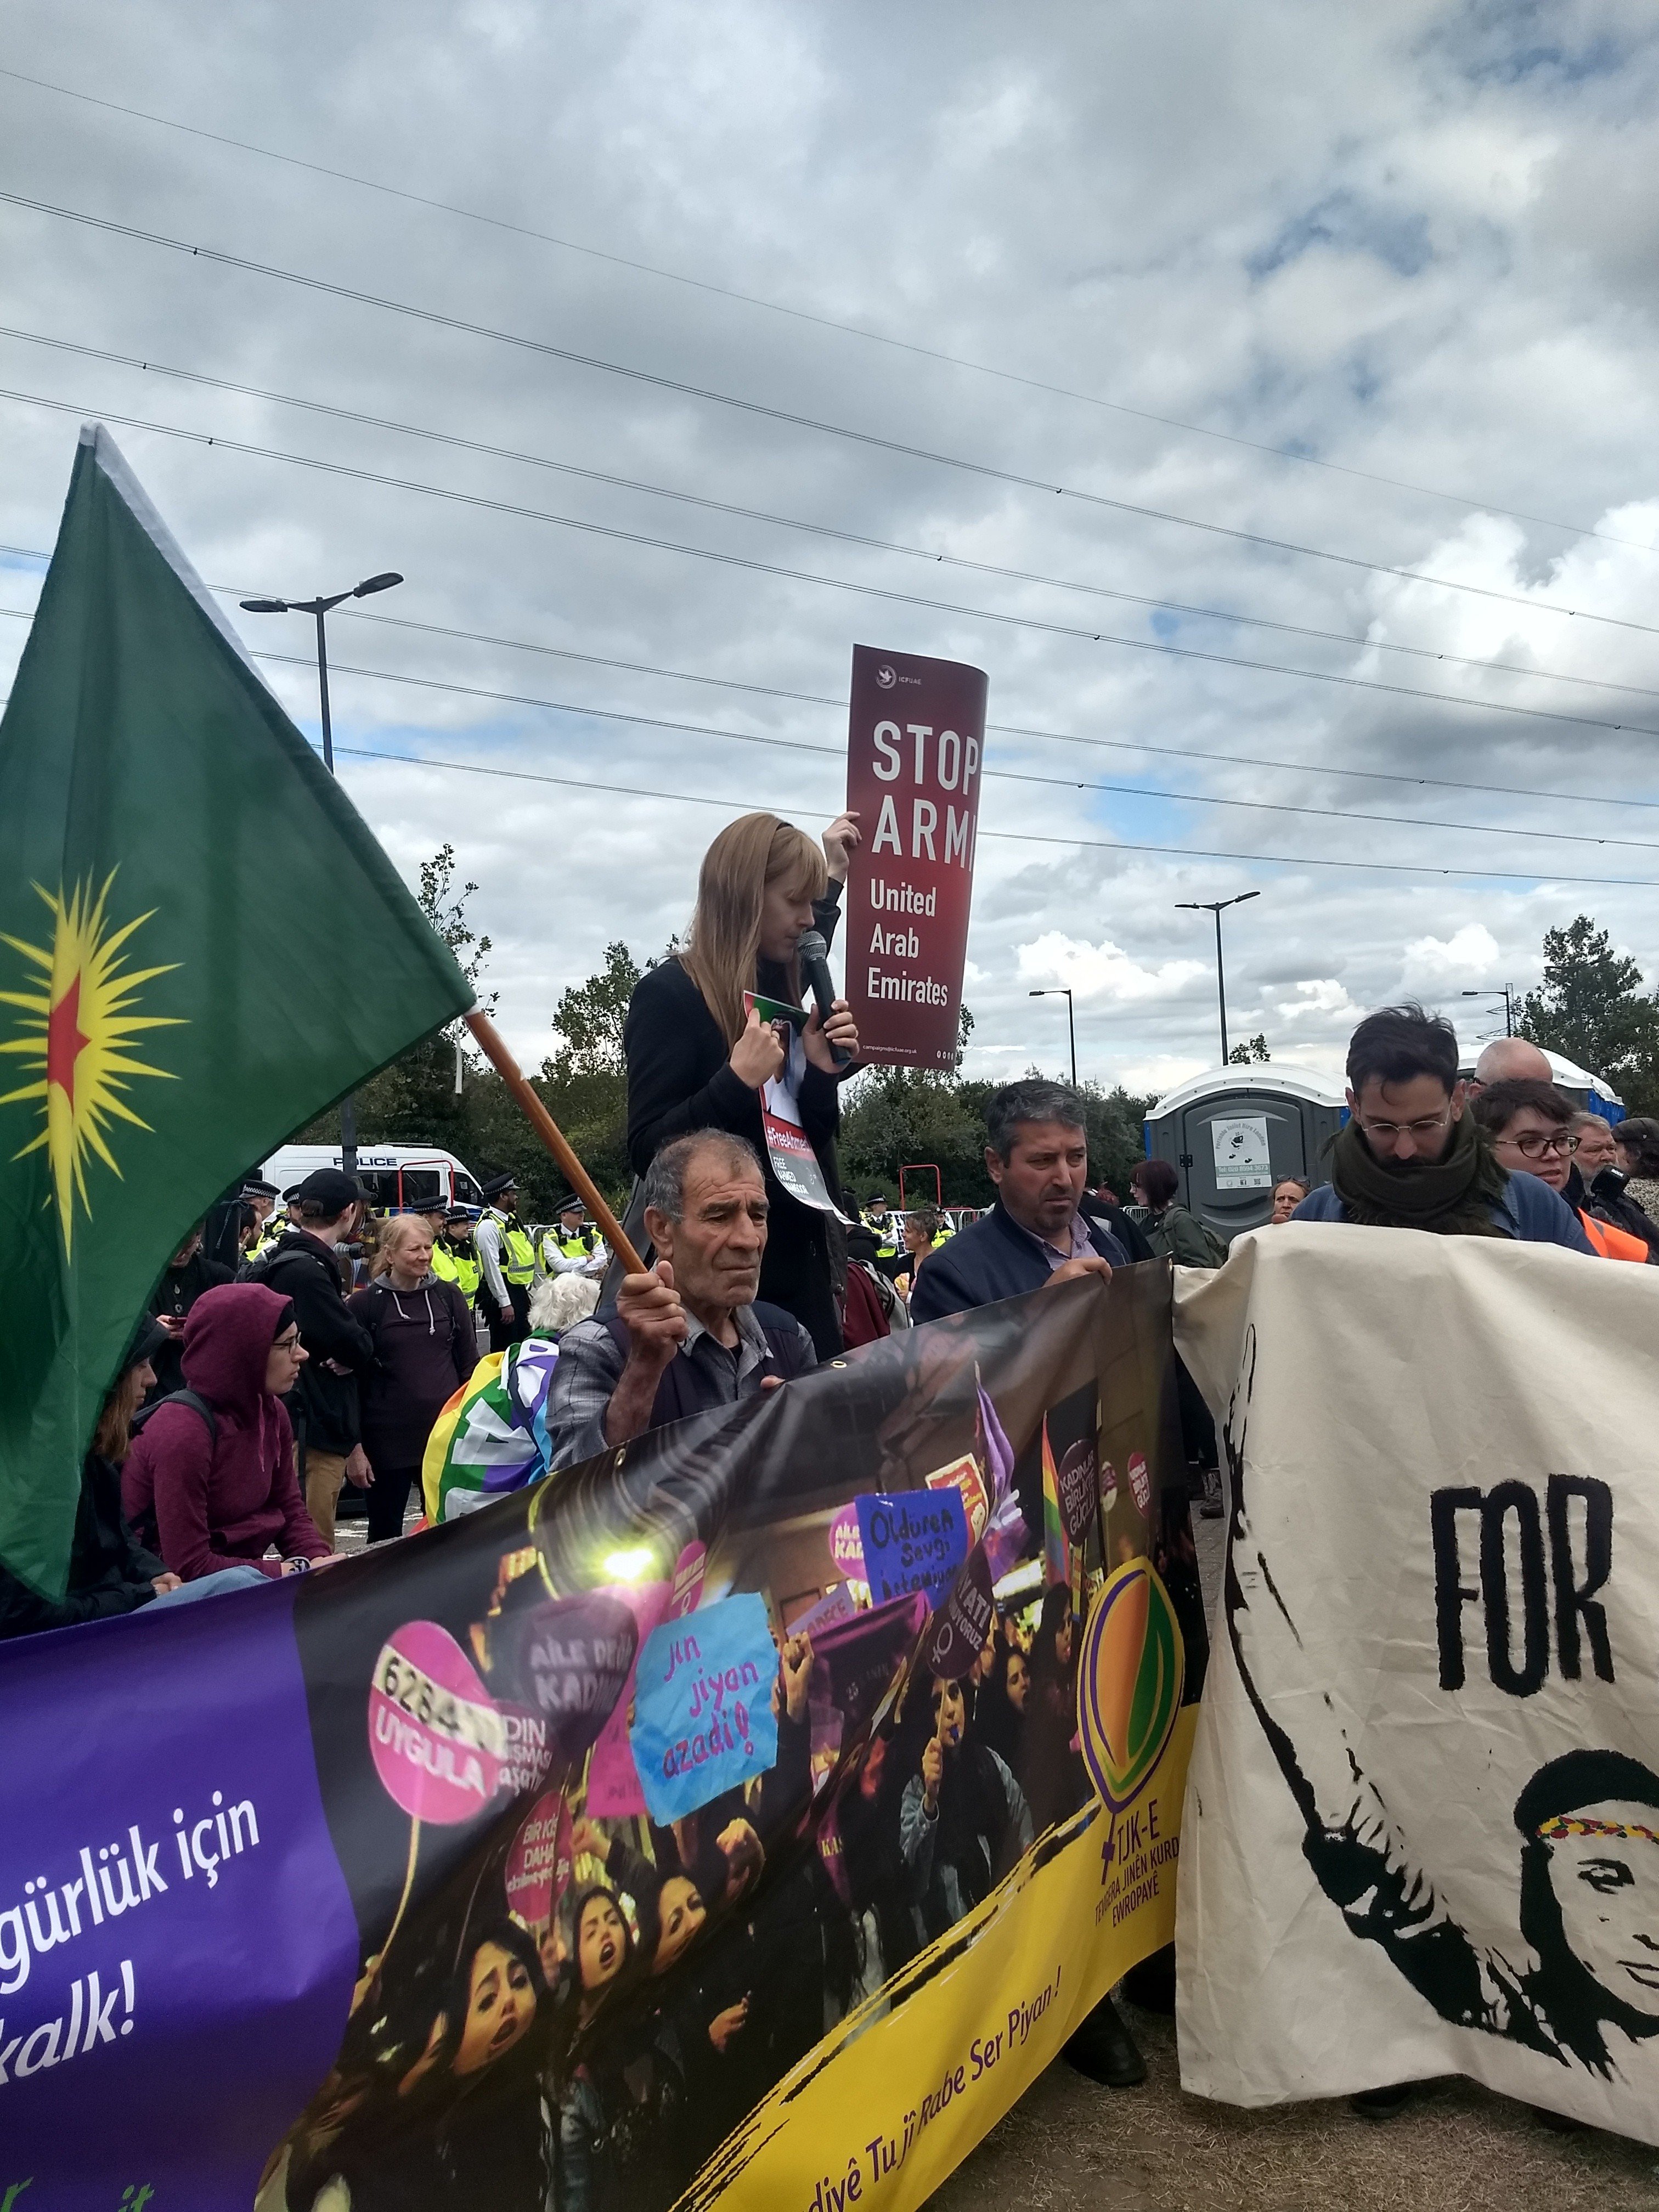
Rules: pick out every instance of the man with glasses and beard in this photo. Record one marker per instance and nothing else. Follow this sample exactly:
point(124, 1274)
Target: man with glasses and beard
point(1411, 1157)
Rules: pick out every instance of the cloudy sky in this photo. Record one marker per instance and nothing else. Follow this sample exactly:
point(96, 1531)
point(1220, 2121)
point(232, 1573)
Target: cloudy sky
point(1374, 283)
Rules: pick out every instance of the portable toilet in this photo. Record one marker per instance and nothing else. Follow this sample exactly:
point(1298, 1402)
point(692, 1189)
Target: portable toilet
point(1232, 1133)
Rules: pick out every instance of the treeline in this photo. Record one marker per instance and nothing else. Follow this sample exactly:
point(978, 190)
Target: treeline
point(890, 1118)
point(1590, 1005)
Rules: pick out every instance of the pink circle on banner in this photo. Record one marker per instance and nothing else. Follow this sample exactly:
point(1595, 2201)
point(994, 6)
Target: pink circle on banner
point(1108, 1485)
point(846, 1542)
point(1140, 1481)
point(437, 1740)
point(688, 1580)
point(538, 1865)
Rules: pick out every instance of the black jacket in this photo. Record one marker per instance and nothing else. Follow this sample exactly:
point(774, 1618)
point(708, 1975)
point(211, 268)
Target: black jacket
point(110, 1571)
point(679, 1079)
point(174, 1295)
point(1607, 1199)
point(322, 1406)
point(995, 1259)
point(1119, 1223)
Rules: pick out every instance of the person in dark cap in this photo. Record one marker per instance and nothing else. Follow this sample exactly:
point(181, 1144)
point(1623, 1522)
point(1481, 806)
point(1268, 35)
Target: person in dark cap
point(322, 1405)
point(110, 1571)
point(568, 1248)
point(506, 1261)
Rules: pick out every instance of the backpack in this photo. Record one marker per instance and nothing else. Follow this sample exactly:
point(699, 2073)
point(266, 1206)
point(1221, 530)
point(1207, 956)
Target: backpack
point(197, 1405)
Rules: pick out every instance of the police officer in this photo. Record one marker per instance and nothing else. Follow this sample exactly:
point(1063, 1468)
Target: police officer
point(277, 1222)
point(882, 1225)
point(453, 1258)
point(262, 1197)
point(569, 1248)
point(507, 1260)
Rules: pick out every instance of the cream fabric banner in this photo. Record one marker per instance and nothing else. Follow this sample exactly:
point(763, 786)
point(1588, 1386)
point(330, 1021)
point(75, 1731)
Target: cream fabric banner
point(1422, 1823)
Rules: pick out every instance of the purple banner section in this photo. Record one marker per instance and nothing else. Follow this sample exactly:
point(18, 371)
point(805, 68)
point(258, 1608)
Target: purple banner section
point(177, 1943)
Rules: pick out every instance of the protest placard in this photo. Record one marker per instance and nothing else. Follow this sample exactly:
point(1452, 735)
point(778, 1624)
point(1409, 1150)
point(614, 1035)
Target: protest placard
point(914, 748)
point(913, 1543)
point(703, 1721)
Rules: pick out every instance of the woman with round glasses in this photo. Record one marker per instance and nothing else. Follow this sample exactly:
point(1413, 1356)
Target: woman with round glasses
point(1528, 1126)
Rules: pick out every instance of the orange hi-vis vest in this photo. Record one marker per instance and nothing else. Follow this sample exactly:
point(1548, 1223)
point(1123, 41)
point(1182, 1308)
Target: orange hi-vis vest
point(1613, 1243)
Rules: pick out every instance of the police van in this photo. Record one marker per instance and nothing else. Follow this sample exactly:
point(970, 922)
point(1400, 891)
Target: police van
point(393, 1176)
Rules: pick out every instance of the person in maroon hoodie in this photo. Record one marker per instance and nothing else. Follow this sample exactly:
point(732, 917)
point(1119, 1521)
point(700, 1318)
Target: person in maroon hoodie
point(221, 1495)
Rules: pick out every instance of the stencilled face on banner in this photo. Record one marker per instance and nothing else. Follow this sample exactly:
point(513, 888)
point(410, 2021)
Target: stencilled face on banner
point(1605, 1875)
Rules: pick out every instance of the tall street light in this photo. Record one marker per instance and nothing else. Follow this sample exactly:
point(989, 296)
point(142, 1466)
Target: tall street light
point(1217, 908)
point(1059, 991)
point(1508, 996)
point(319, 608)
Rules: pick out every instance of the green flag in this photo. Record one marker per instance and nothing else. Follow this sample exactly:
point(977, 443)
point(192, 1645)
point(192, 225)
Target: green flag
point(201, 947)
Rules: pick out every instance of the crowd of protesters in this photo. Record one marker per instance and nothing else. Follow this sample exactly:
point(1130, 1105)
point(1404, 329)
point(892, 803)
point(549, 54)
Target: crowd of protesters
point(293, 1348)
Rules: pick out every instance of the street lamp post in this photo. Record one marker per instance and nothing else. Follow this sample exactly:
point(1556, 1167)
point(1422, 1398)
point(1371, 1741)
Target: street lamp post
point(1217, 908)
point(1508, 996)
point(1060, 991)
point(320, 607)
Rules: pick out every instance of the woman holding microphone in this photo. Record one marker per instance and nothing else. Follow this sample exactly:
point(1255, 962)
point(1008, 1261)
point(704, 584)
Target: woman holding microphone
point(702, 1053)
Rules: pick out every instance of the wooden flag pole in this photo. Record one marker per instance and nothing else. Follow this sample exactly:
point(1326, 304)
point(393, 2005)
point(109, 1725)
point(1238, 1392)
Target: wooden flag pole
point(553, 1137)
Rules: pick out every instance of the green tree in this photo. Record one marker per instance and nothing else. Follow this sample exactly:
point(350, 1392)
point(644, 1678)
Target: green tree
point(1248, 1050)
point(415, 1100)
point(589, 1017)
point(1590, 1007)
point(897, 1117)
point(445, 908)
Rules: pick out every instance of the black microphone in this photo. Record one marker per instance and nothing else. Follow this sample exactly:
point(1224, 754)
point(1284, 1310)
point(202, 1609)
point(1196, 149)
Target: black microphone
point(814, 957)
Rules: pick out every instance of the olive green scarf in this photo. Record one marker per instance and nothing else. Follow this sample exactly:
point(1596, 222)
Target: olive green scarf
point(1450, 1197)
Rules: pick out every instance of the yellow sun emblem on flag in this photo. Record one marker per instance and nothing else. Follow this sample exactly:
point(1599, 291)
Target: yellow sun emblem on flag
point(78, 1024)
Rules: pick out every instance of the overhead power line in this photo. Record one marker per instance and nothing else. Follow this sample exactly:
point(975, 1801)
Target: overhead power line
point(1355, 640)
point(1018, 836)
point(1160, 646)
point(771, 743)
point(997, 729)
point(819, 321)
point(998, 774)
point(544, 347)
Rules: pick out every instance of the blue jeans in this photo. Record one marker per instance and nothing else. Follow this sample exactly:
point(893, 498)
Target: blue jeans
point(214, 1585)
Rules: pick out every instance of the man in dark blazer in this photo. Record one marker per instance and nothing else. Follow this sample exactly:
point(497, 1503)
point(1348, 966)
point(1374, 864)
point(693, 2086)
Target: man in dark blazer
point(1037, 1156)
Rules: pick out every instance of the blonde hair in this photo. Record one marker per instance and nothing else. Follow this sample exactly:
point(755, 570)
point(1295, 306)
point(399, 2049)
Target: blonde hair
point(395, 1233)
point(723, 944)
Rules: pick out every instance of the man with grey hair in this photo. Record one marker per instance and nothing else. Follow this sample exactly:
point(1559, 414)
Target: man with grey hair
point(1037, 1156)
point(687, 1334)
point(1507, 1060)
